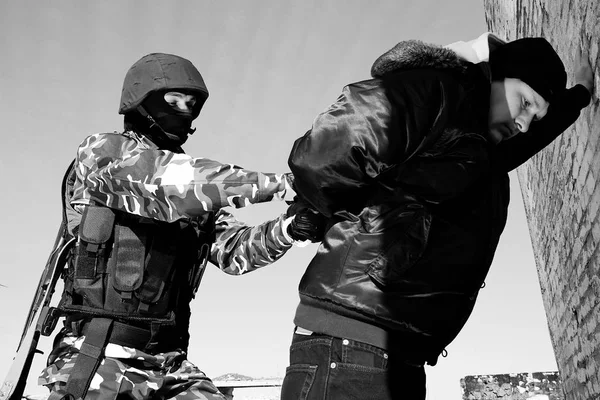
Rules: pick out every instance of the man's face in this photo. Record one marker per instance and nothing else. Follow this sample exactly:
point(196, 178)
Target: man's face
point(513, 106)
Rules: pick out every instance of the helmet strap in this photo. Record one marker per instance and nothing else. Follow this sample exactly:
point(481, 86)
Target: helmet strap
point(158, 133)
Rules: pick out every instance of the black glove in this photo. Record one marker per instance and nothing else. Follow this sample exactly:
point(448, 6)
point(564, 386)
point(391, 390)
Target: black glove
point(307, 224)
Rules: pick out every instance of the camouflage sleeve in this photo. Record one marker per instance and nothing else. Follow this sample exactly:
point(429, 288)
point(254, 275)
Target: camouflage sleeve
point(120, 172)
point(240, 248)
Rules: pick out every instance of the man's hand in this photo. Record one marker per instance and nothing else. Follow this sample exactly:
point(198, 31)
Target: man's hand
point(584, 74)
point(307, 224)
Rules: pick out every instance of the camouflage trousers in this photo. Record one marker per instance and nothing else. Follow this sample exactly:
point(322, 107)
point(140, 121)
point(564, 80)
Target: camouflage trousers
point(126, 373)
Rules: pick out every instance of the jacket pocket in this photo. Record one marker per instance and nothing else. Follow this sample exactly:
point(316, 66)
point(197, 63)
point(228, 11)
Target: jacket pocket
point(400, 242)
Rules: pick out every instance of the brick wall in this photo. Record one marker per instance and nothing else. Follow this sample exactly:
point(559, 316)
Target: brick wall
point(562, 195)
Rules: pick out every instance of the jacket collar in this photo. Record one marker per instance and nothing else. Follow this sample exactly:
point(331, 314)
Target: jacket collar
point(457, 56)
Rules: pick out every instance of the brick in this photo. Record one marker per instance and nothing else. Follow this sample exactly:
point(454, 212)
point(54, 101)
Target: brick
point(578, 214)
point(582, 175)
point(595, 284)
point(590, 182)
point(583, 286)
point(577, 246)
point(578, 158)
point(586, 252)
point(583, 203)
point(594, 204)
point(588, 156)
point(596, 230)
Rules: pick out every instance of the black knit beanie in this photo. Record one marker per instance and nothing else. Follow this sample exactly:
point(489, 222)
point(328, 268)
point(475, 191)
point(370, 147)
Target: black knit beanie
point(532, 60)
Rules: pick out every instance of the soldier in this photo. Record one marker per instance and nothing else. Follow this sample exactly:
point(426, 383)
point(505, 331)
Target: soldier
point(412, 167)
point(147, 217)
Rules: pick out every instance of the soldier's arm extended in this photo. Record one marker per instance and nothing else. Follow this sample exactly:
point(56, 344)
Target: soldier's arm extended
point(121, 172)
point(240, 248)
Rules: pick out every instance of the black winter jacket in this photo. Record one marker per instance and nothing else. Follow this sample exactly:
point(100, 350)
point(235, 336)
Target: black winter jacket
point(416, 196)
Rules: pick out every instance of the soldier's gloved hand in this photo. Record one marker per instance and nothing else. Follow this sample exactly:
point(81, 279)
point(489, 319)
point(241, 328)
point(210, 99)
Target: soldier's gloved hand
point(307, 224)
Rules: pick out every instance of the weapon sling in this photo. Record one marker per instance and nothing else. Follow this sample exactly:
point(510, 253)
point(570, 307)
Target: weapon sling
point(88, 360)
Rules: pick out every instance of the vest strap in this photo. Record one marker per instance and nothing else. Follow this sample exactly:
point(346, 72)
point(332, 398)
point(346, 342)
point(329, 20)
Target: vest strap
point(89, 357)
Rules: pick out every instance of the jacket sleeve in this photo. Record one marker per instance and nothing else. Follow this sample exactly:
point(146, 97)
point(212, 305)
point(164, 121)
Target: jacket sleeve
point(240, 248)
point(116, 171)
point(373, 127)
point(562, 113)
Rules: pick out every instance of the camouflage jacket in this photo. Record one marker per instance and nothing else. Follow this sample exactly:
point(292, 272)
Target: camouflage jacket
point(127, 172)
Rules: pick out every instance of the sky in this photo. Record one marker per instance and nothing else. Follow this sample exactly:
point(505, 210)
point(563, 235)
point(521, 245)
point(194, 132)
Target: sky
point(270, 67)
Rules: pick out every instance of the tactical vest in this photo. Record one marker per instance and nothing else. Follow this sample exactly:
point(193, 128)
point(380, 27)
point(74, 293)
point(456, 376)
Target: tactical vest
point(138, 272)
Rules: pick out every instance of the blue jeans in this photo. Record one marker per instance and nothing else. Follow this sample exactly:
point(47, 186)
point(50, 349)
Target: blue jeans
point(327, 368)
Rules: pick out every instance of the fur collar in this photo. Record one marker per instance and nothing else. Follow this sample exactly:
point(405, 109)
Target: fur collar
point(413, 54)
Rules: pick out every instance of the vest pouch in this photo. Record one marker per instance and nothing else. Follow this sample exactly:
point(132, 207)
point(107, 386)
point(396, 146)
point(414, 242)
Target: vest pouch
point(126, 267)
point(159, 267)
point(94, 233)
point(91, 254)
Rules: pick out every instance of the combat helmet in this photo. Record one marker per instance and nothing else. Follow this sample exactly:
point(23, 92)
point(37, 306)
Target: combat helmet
point(160, 71)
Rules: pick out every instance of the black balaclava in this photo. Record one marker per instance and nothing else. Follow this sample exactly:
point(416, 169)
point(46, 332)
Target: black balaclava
point(175, 124)
point(533, 61)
